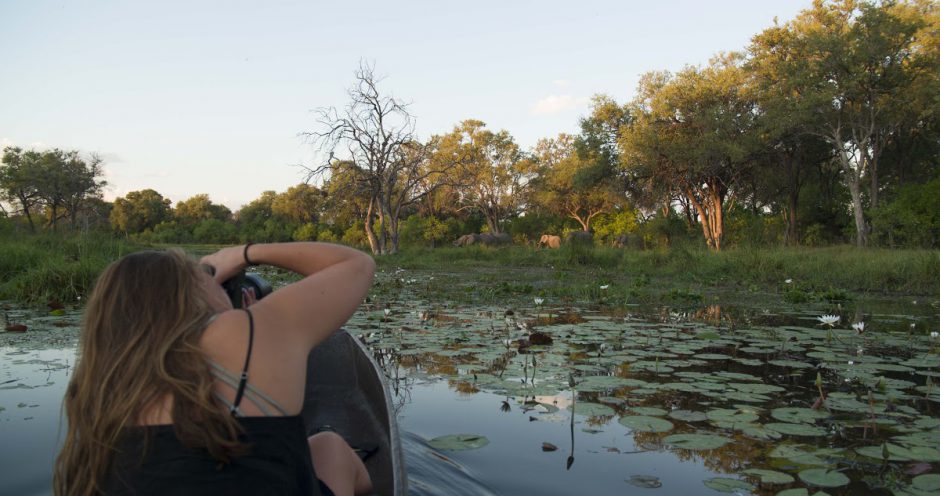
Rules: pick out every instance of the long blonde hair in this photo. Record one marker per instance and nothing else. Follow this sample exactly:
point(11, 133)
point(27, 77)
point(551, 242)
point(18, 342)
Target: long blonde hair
point(139, 343)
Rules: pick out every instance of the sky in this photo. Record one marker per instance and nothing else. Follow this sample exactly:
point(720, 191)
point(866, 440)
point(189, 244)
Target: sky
point(190, 97)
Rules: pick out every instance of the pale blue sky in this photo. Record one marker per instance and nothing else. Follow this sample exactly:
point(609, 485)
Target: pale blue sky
point(192, 97)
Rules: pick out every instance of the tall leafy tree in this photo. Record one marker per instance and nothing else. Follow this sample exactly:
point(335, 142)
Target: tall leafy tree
point(852, 65)
point(200, 208)
point(693, 133)
point(491, 169)
point(20, 178)
point(138, 211)
point(571, 186)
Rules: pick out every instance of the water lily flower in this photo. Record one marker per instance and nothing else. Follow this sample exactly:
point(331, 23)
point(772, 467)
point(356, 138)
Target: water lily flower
point(851, 362)
point(539, 301)
point(829, 320)
point(859, 351)
point(788, 281)
point(859, 327)
point(934, 335)
point(605, 286)
point(388, 311)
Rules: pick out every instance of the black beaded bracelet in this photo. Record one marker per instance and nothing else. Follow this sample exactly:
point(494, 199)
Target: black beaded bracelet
point(245, 253)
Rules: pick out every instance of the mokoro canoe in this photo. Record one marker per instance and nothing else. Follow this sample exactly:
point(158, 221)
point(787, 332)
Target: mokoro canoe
point(347, 390)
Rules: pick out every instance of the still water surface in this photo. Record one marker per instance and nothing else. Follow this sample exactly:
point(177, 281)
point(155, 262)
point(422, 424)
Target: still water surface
point(459, 369)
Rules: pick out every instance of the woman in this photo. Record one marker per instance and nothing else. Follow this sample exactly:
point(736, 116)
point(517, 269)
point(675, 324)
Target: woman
point(175, 392)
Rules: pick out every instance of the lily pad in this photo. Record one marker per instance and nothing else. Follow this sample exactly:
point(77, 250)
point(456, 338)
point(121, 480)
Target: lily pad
point(643, 423)
point(927, 482)
point(688, 415)
point(459, 442)
point(769, 476)
point(726, 485)
point(798, 415)
point(648, 410)
point(696, 441)
point(822, 477)
point(796, 429)
point(731, 416)
point(645, 481)
point(591, 409)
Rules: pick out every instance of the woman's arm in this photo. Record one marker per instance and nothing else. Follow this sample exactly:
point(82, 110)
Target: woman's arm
point(290, 321)
point(336, 280)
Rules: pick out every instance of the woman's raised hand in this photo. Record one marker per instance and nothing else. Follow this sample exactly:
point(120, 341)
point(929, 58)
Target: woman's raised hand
point(227, 262)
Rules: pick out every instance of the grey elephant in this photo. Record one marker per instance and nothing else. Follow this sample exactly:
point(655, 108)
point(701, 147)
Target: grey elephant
point(580, 237)
point(467, 240)
point(490, 239)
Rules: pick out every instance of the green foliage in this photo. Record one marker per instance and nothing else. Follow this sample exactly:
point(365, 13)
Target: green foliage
point(608, 226)
point(36, 269)
point(306, 232)
point(215, 231)
point(139, 211)
point(910, 220)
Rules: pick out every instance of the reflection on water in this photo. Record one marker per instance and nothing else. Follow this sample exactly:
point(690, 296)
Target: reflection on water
point(607, 400)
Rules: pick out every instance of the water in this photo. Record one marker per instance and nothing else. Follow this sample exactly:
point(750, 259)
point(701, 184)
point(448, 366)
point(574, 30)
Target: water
point(458, 369)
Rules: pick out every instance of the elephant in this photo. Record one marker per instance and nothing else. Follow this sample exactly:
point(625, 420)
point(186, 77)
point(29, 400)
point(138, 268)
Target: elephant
point(490, 239)
point(580, 237)
point(467, 240)
point(550, 241)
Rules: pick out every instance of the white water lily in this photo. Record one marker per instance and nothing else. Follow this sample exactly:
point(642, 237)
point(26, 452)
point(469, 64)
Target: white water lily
point(934, 335)
point(388, 311)
point(860, 352)
point(605, 286)
point(539, 301)
point(788, 281)
point(829, 320)
point(859, 327)
point(851, 362)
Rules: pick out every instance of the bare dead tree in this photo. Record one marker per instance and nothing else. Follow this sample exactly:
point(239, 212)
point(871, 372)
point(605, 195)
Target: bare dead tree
point(377, 134)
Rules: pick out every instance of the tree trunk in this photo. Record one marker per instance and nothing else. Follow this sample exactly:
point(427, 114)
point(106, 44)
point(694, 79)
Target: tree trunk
point(861, 227)
point(792, 235)
point(370, 232)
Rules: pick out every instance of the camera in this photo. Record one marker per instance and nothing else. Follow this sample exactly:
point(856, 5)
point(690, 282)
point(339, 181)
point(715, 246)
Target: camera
point(245, 280)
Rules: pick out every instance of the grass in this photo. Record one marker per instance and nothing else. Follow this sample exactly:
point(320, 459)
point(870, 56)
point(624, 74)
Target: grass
point(38, 269)
point(35, 269)
point(825, 272)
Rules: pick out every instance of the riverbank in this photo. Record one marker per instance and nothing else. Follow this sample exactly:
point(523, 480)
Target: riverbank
point(37, 269)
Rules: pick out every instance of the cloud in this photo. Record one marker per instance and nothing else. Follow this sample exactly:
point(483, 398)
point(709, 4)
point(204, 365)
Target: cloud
point(556, 104)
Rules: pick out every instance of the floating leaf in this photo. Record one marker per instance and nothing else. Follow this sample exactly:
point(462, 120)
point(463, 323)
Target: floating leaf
point(731, 416)
point(645, 481)
point(459, 442)
point(769, 476)
point(648, 410)
point(795, 415)
point(796, 429)
point(822, 477)
point(592, 409)
point(928, 482)
point(696, 441)
point(642, 423)
point(688, 415)
point(726, 485)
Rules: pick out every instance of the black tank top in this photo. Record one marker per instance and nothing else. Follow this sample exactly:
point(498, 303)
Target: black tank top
point(277, 463)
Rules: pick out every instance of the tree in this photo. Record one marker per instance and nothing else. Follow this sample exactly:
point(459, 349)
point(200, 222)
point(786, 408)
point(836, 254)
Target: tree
point(852, 65)
point(138, 211)
point(693, 132)
point(59, 181)
point(198, 208)
point(490, 169)
point(20, 178)
point(301, 203)
point(570, 186)
point(374, 132)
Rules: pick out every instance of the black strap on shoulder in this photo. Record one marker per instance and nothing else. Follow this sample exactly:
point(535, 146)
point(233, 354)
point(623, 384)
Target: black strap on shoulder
point(243, 381)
